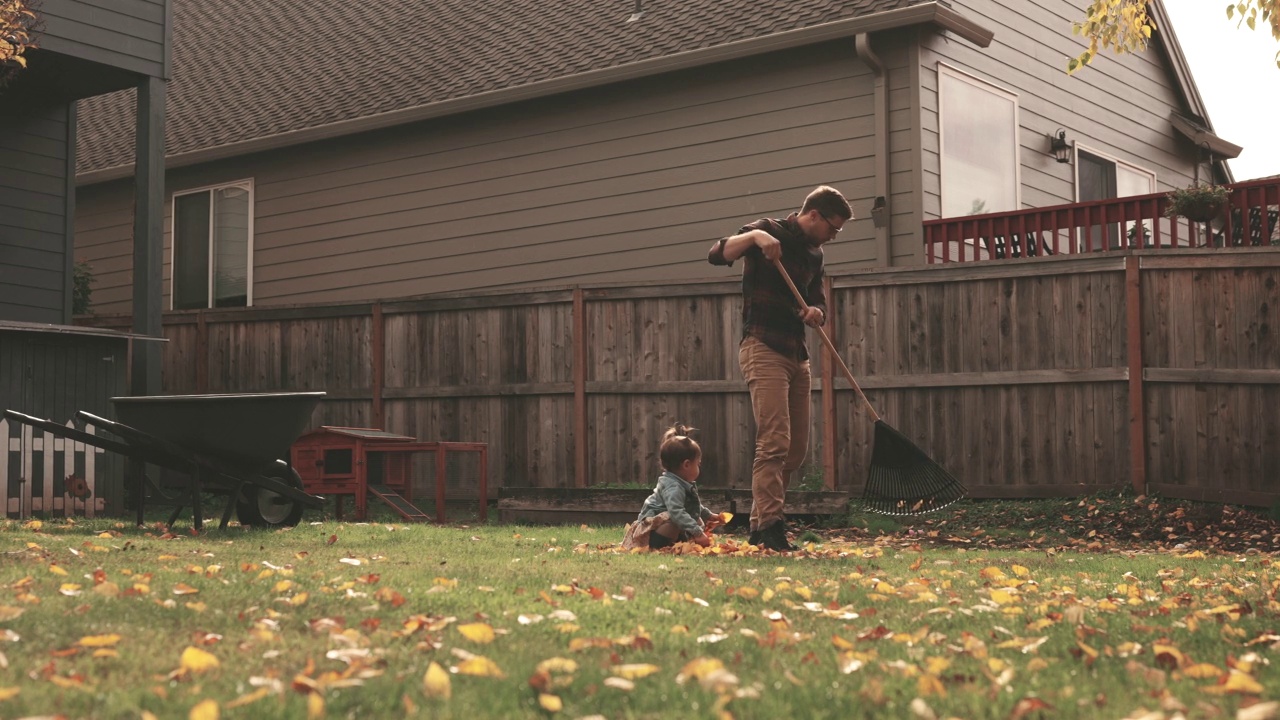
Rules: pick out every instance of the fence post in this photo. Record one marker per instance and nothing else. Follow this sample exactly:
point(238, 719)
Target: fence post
point(1137, 402)
point(379, 351)
point(829, 397)
point(579, 390)
point(202, 353)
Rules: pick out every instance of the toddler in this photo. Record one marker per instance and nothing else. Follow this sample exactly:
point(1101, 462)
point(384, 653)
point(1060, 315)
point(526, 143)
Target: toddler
point(674, 513)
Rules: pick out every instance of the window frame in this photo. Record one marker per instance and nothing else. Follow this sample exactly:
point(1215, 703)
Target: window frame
point(1077, 148)
point(945, 69)
point(245, 184)
point(1122, 232)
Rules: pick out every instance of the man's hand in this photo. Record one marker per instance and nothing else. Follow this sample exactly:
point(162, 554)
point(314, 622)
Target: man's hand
point(813, 317)
point(702, 540)
point(769, 245)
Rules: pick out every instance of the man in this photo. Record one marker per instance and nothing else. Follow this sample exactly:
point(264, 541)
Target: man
point(773, 357)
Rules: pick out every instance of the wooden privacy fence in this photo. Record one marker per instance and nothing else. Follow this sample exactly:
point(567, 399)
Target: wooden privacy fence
point(1041, 377)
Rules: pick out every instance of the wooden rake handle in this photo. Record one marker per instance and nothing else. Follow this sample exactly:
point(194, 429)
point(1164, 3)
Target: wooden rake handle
point(835, 355)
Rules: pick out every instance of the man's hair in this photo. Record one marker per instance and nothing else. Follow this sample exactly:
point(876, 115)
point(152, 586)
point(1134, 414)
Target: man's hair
point(827, 201)
point(677, 447)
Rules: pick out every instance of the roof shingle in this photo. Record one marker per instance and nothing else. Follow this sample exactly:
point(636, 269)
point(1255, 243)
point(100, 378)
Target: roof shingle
point(247, 69)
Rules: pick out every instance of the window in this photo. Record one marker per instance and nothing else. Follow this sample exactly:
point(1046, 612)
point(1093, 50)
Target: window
point(978, 145)
point(1099, 177)
point(213, 247)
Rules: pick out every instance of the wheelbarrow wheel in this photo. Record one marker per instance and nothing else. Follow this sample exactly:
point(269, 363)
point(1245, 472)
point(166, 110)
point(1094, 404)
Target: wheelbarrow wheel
point(259, 507)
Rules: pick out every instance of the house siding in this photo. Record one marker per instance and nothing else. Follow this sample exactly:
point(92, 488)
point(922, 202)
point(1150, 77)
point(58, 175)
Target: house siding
point(127, 34)
point(1119, 105)
point(627, 183)
point(34, 209)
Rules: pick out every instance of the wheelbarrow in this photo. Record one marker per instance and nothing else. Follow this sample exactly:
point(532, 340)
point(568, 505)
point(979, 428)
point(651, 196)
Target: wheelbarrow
point(223, 444)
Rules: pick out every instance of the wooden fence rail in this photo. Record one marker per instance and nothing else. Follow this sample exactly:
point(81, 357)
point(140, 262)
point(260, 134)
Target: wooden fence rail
point(1036, 377)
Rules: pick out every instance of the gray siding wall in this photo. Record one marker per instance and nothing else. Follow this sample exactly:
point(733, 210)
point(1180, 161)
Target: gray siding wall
point(33, 214)
point(628, 183)
point(127, 34)
point(1119, 105)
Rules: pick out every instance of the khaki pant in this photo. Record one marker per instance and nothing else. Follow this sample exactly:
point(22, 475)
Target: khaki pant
point(780, 402)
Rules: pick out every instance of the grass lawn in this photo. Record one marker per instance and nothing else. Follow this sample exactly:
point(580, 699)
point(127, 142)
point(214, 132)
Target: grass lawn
point(99, 619)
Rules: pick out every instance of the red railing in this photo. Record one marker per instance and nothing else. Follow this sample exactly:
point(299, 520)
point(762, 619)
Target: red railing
point(1252, 219)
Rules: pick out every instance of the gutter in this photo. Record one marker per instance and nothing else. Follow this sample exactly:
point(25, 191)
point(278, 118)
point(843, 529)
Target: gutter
point(880, 212)
point(926, 13)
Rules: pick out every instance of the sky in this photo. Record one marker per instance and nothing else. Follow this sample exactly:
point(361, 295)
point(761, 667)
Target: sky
point(1235, 71)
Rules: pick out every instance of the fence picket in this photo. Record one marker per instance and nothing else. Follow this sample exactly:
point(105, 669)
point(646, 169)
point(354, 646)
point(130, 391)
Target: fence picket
point(69, 449)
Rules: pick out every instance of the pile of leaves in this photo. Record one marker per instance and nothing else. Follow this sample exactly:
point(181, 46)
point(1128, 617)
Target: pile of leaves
point(1096, 523)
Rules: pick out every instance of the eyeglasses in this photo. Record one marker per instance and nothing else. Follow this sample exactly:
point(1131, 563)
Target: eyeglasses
point(830, 224)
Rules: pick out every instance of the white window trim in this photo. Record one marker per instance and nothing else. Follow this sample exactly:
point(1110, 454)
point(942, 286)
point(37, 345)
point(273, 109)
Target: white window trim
point(247, 184)
point(958, 74)
point(1075, 163)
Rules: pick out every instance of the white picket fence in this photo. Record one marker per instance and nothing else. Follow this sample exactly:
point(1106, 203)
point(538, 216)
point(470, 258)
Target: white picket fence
point(74, 455)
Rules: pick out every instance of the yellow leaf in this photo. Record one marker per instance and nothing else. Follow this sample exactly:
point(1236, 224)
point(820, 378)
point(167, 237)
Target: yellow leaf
point(436, 682)
point(993, 573)
point(1037, 664)
point(477, 632)
point(299, 600)
point(8, 612)
point(315, 705)
point(1203, 671)
point(550, 703)
point(282, 586)
point(749, 593)
point(98, 640)
point(558, 665)
point(1021, 571)
point(204, 710)
point(32, 525)
point(57, 570)
point(184, 589)
point(841, 643)
point(699, 668)
point(196, 607)
point(69, 589)
point(105, 653)
point(480, 666)
point(1237, 682)
point(1004, 597)
point(937, 665)
point(930, 685)
point(196, 660)
point(8, 693)
point(635, 671)
point(997, 665)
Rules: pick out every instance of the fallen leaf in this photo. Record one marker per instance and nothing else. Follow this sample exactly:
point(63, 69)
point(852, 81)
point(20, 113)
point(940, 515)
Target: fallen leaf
point(204, 710)
point(98, 640)
point(481, 667)
point(477, 632)
point(436, 682)
point(197, 661)
point(634, 671)
point(550, 703)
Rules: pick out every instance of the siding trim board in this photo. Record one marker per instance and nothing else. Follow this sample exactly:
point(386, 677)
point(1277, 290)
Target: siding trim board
point(928, 13)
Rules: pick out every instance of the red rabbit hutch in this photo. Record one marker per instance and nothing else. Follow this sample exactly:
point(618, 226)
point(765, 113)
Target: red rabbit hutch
point(360, 462)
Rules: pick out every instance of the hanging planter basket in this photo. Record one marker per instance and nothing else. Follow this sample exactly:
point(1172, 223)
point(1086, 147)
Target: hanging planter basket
point(1202, 210)
point(1197, 203)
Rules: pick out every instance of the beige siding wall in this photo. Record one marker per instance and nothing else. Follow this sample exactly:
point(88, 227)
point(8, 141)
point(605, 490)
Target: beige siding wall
point(1119, 106)
point(630, 183)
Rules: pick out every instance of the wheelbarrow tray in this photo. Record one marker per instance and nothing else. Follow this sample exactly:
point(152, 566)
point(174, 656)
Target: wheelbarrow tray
point(250, 429)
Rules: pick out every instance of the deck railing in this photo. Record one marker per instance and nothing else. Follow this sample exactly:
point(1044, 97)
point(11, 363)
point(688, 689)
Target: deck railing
point(1252, 219)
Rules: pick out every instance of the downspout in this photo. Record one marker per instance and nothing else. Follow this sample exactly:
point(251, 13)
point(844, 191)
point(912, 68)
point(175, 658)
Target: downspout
point(880, 204)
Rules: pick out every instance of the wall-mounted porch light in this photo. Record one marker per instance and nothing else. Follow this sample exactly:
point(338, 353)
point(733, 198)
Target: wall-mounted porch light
point(1059, 146)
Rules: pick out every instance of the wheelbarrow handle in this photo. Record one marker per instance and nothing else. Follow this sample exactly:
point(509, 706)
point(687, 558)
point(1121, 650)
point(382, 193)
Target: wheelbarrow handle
point(835, 355)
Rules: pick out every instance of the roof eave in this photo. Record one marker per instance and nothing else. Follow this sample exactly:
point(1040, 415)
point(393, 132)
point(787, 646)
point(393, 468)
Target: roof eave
point(922, 14)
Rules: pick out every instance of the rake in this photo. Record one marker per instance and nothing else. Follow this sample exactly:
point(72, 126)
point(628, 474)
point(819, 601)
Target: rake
point(902, 479)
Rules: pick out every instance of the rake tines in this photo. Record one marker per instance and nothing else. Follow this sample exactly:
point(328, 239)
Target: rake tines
point(903, 480)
